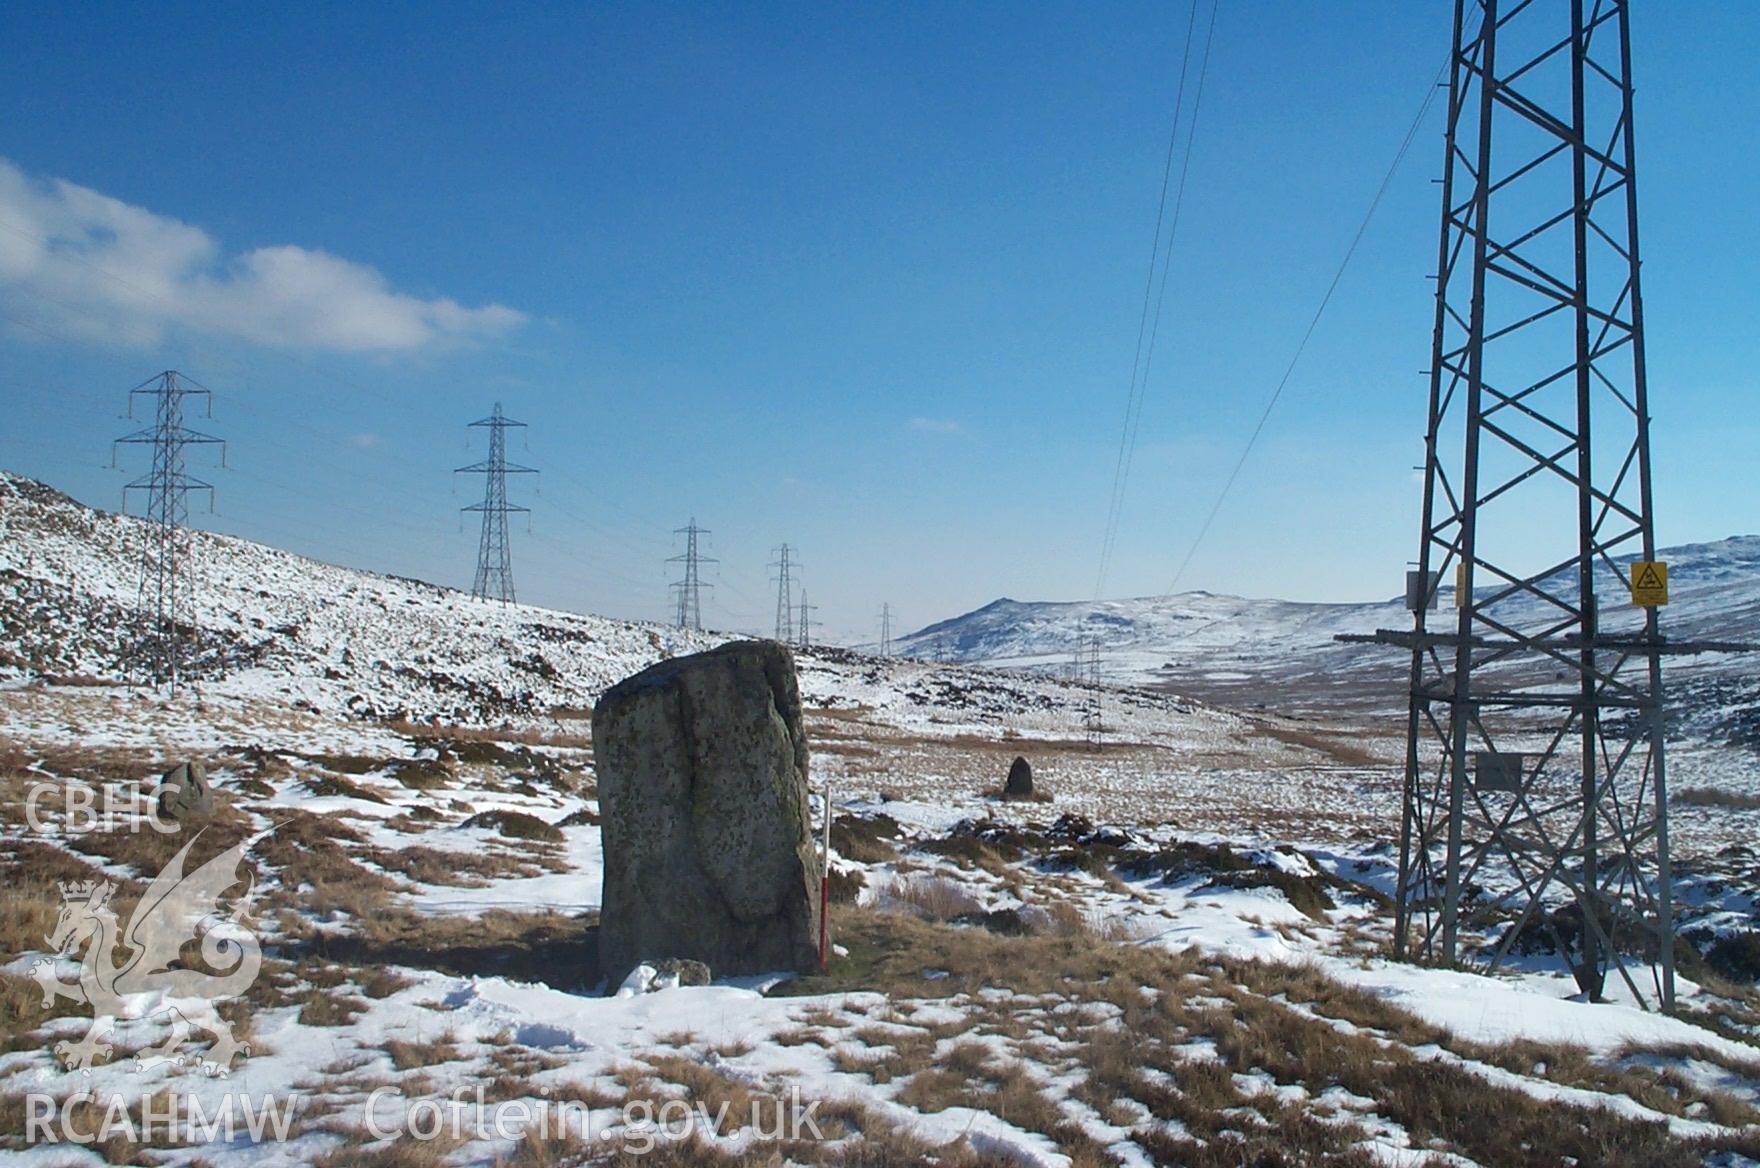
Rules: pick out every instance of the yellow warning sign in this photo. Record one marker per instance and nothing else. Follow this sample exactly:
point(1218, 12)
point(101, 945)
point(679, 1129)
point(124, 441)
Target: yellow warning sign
point(1461, 594)
point(1649, 584)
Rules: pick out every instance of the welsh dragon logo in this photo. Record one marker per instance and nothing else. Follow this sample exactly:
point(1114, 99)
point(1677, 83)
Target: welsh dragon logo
point(170, 914)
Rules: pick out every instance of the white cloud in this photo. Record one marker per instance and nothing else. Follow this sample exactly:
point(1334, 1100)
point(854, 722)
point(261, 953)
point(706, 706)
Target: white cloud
point(935, 425)
point(83, 263)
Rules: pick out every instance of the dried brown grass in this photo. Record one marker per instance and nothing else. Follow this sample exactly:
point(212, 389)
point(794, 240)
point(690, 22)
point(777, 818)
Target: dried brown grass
point(1714, 797)
point(934, 898)
point(552, 947)
point(522, 736)
point(359, 1150)
point(1139, 1059)
point(409, 1055)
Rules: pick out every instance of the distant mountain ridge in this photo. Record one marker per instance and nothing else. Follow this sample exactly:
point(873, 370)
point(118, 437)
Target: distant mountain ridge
point(1252, 652)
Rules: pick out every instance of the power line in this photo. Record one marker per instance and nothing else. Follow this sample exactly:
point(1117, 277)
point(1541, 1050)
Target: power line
point(494, 558)
point(1536, 724)
point(627, 537)
point(807, 623)
point(638, 541)
point(1093, 716)
point(784, 597)
point(167, 579)
point(1283, 382)
point(688, 591)
point(1143, 358)
point(641, 539)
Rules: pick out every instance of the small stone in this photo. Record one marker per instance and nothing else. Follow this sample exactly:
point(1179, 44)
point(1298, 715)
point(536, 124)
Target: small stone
point(183, 793)
point(1020, 780)
point(663, 974)
point(678, 971)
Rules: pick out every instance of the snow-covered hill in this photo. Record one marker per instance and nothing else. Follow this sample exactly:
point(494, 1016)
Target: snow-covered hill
point(1280, 652)
point(295, 633)
point(278, 624)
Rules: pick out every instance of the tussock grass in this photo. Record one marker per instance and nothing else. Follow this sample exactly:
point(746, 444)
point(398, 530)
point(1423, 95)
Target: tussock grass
point(145, 850)
point(22, 1012)
point(421, 774)
point(1663, 1091)
point(462, 869)
point(454, 734)
point(94, 764)
point(327, 786)
point(30, 904)
point(557, 1150)
point(358, 1150)
point(87, 1115)
point(30, 895)
point(865, 839)
point(514, 1065)
point(934, 898)
point(408, 1055)
point(715, 1091)
point(1245, 1012)
point(1714, 797)
point(382, 983)
point(329, 1007)
point(306, 849)
point(516, 825)
point(557, 949)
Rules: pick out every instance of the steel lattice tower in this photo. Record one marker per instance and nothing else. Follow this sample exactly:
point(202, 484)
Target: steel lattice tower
point(806, 621)
point(688, 597)
point(494, 561)
point(1535, 801)
point(1093, 716)
point(886, 630)
point(784, 594)
point(167, 580)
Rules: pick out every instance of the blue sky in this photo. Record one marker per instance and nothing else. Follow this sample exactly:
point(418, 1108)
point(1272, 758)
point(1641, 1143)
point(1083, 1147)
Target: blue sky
point(864, 279)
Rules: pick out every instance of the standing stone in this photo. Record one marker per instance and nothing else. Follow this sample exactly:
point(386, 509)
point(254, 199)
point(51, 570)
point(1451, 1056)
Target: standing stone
point(702, 771)
point(184, 794)
point(1020, 780)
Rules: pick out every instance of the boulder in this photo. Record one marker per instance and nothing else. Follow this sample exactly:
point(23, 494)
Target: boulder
point(702, 773)
point(183, 793)
point(1020, 780)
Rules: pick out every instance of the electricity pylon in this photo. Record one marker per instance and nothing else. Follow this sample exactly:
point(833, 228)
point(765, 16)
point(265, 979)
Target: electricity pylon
point(1093, 719)
point(886, 630)
point(784, 594)
point(166, 591)
point(494, 561)
point(806, 621)
point(688, 591)
point(1535, 803)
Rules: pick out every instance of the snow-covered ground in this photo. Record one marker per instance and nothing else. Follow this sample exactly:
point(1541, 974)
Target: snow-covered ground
point(1238, 941)
point(1180, 957)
